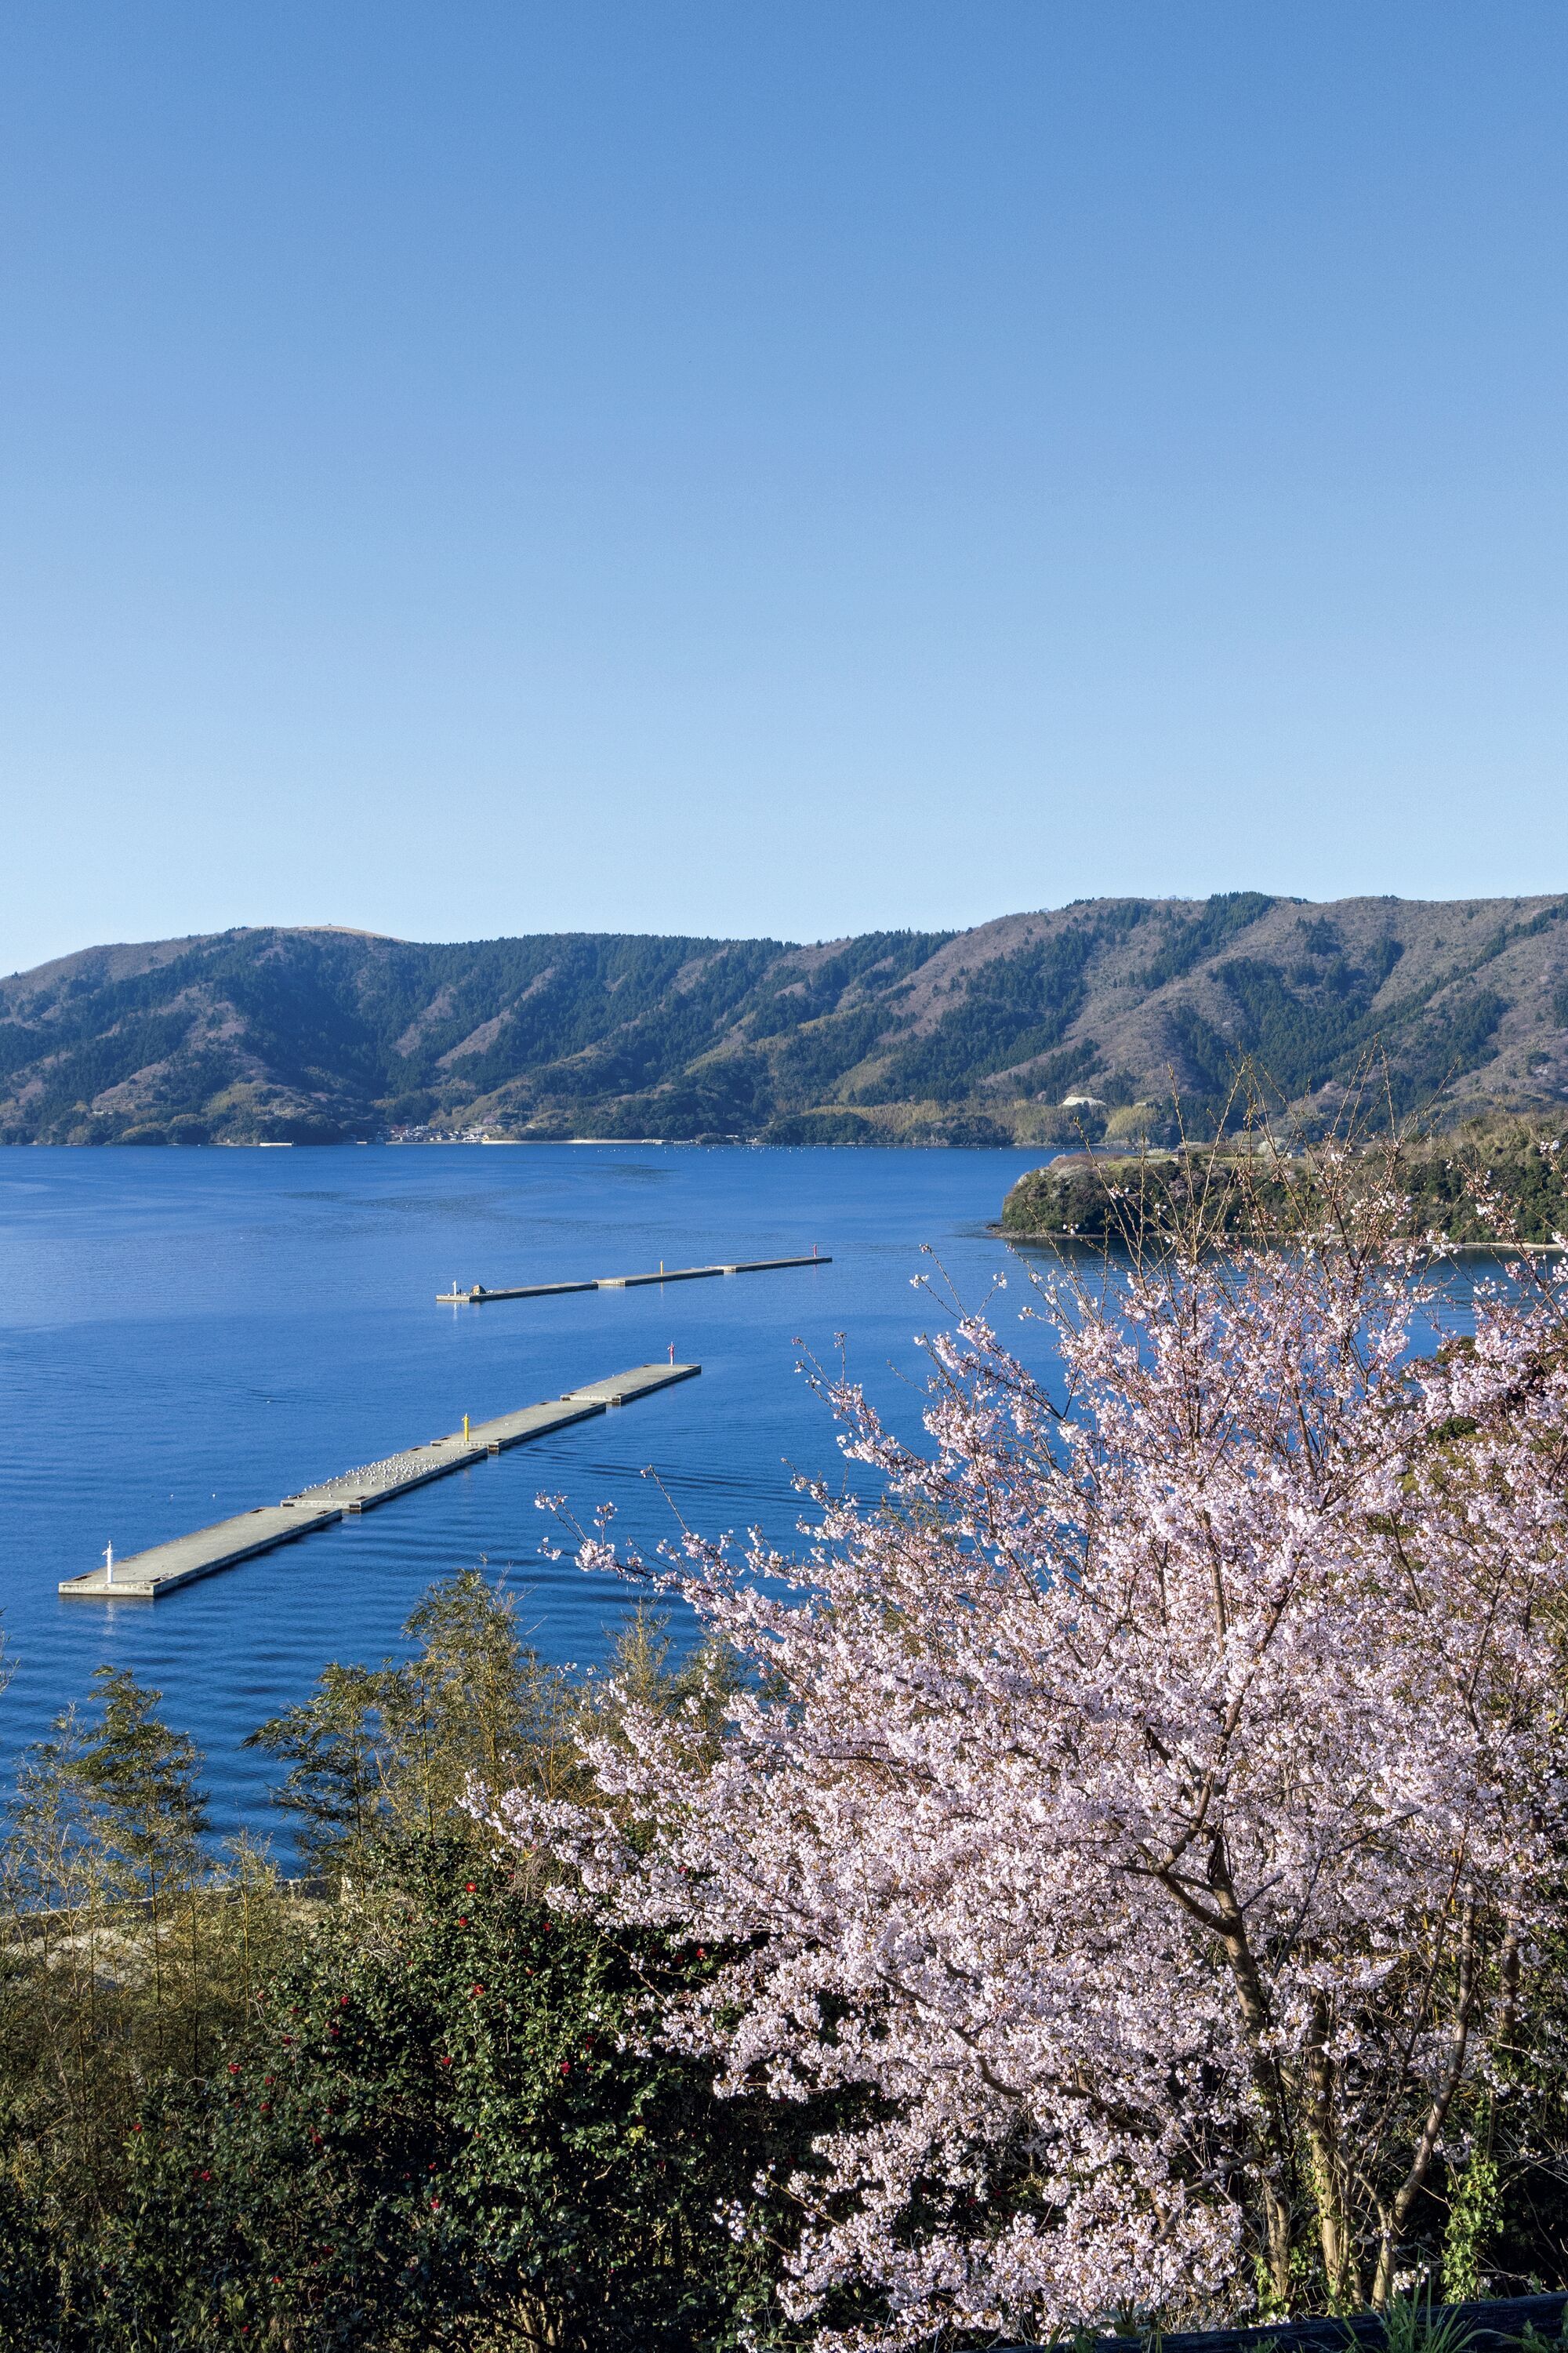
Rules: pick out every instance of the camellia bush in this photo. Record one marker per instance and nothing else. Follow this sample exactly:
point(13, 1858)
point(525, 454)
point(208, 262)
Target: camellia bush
point(439, 2136)
point(1151, 1809)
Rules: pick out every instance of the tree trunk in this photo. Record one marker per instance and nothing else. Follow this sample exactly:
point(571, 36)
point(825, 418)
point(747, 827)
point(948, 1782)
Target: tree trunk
point(1398, 2213)
point(1335, 2234)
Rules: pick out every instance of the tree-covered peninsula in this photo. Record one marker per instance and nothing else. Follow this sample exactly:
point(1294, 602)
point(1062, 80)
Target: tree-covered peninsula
point(1492, 1183)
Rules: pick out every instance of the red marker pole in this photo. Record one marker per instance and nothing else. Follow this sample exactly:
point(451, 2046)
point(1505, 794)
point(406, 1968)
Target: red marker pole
point(672, 1352)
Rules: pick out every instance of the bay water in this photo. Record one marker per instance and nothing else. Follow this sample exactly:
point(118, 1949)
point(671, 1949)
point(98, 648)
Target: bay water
point(186, 1333)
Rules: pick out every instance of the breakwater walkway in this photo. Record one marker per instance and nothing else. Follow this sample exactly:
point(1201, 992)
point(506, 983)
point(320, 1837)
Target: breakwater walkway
point(143, 1575)
point(477, 1294)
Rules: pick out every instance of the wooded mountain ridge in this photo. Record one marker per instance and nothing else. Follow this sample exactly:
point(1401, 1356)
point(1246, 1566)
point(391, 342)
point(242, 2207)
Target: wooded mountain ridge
point(969, 1037)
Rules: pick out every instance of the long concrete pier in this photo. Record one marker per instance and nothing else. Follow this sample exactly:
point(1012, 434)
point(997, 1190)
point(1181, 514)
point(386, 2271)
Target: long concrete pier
point(476, 1295)
point(143, 1575)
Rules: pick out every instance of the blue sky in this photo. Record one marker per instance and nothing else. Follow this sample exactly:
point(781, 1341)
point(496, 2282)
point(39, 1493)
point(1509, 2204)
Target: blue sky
point(740, 468)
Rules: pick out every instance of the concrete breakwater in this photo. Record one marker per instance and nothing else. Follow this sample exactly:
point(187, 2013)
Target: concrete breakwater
point(477, 1294)
point(143, 1575)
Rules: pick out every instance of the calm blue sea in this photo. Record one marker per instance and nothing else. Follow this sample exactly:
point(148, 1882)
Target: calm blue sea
point(186, 1333)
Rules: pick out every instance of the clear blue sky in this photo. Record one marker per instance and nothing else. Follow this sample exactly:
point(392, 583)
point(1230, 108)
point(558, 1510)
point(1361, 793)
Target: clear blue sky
point(744, 466)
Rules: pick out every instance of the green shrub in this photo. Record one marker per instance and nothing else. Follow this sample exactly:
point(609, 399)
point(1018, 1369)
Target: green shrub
point(444, 2132)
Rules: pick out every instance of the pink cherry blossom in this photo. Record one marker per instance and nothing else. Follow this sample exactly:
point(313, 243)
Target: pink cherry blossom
point(1151, 1806)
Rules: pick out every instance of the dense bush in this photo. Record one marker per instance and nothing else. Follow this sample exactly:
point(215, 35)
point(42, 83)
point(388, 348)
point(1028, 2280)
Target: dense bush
point(407, 2106)
point(442, 2130)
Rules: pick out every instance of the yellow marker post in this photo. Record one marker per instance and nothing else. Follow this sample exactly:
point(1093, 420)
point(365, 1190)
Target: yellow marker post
point(464, 1430)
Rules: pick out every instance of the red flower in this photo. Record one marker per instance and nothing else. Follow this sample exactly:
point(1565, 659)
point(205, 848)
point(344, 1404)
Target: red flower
point(470, 1886)
point(566, 2066)
point(445, 2063)
point(435, 2205)
point(475, 1990)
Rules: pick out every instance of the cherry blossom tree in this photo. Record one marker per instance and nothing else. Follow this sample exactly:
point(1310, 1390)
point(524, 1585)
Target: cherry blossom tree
point(1147, 1813)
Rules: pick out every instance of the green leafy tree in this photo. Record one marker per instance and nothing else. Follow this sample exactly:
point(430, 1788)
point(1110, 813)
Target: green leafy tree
point(139, 1787)
point(333, 1746)
point(389, 1752)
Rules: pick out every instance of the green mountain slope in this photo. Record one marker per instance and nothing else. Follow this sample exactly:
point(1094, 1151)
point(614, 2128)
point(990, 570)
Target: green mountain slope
point(893, 1037)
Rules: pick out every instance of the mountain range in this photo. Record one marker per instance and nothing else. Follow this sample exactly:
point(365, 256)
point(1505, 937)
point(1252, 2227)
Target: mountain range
point(1133, 1005)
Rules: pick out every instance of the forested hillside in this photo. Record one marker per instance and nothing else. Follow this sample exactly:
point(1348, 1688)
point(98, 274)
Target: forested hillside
point(894, 1037)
